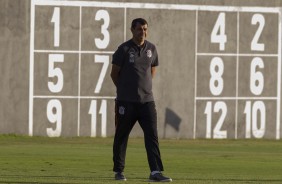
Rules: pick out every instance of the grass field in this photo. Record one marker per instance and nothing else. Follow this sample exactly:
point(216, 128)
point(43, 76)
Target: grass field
point(89, 160)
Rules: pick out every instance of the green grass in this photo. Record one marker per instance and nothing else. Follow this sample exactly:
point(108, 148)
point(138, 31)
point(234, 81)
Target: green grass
point(89, 160)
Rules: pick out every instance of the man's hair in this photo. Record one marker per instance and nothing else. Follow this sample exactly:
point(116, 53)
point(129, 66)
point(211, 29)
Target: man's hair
point(138, 20)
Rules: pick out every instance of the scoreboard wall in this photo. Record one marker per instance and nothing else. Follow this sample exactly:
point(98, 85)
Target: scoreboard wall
point(225, 59)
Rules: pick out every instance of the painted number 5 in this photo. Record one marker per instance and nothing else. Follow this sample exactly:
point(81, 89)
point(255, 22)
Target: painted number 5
point(55, 72)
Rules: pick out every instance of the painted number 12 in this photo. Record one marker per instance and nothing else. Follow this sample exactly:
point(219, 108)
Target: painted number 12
point(217, 133)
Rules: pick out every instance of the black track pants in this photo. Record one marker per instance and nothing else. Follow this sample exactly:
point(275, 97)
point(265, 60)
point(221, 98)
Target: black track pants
point(127, 113)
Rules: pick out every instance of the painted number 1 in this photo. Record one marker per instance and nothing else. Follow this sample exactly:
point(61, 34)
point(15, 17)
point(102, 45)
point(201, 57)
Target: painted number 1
point(56, 21)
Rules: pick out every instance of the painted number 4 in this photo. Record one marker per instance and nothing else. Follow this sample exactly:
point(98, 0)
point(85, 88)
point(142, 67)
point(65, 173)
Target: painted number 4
point(218, 33)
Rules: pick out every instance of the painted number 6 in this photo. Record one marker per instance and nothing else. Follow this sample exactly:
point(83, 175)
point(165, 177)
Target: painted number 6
point(256, 78)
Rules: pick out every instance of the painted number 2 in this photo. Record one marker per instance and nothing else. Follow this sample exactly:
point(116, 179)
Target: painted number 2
point(258, 19)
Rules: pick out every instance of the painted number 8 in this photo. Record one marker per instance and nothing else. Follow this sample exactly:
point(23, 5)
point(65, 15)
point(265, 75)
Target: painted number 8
point(216, 71)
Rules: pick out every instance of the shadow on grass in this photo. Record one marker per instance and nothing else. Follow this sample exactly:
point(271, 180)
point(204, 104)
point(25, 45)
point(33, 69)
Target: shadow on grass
point(16, 179)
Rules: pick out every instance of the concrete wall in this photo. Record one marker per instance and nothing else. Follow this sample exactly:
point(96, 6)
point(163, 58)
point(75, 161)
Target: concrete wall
point(185, 100)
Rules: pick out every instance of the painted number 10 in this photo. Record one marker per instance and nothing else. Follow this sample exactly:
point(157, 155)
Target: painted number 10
point(255, 112)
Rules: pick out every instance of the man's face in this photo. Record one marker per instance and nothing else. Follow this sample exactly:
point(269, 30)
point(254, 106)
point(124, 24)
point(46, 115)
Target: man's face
point(139, 32)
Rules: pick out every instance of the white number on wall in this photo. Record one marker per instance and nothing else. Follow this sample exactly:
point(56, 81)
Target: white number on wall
point(54, 115)
point(103, 43)
point(216, 71)
point(209, 110)
point(56, 21)
point(106, 61)
point(256, 77)
point(253, 112)
point(218, 33)
point(55, 72)
point(258, 19)
point(103, 112)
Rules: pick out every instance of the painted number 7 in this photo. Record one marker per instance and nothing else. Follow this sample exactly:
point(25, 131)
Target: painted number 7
point(106, 61)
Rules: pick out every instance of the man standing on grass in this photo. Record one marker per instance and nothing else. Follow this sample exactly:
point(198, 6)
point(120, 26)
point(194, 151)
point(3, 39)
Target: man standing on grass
point(133, 67)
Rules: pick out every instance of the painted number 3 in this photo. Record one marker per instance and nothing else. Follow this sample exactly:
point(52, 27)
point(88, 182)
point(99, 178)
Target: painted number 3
point(103, 15)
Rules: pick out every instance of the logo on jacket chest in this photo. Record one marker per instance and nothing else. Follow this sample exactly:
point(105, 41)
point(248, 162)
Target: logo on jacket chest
point(131, 57)
point(132, 54)
point(149, 53)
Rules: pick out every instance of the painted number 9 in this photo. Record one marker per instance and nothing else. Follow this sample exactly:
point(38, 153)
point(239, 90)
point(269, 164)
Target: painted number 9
point(54, 115)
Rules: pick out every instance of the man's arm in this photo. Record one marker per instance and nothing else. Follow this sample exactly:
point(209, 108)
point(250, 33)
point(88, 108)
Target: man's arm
point(153, 71)
point(115, 73)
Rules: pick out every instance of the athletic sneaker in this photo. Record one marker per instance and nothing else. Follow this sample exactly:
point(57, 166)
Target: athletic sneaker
point(119, 176)
point(158, 177)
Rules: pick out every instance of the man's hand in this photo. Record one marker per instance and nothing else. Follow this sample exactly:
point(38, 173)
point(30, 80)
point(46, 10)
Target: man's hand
point(115, 73)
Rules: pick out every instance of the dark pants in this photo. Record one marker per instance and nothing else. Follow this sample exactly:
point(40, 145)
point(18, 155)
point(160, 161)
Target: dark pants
point(127, 113)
